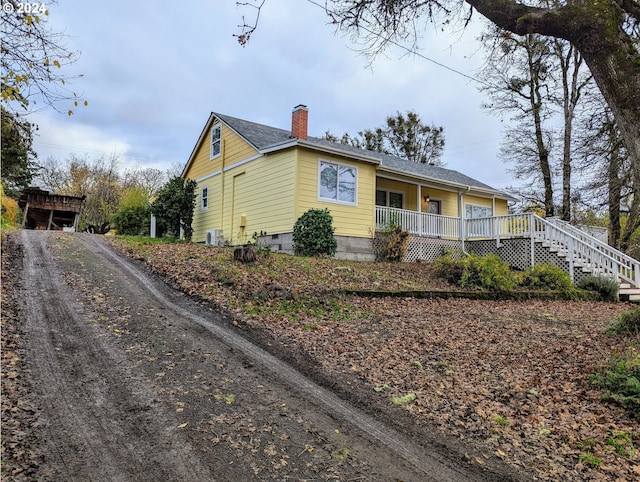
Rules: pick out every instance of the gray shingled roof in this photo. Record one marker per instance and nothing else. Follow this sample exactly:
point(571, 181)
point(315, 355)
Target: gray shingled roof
point(259, 136)
point(263, 137)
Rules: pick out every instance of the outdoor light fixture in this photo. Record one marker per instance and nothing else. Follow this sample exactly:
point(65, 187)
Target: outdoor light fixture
point(426, 199)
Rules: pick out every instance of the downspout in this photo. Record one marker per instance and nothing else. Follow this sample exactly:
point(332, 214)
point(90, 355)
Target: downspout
point(419, 201)
point(463, 234)
point(222, 193)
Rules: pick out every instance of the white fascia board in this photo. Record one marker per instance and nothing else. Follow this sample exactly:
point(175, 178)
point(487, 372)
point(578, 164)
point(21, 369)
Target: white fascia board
point(209, 176)
point(316, 147)
point(243, 161)
point(279, 147)
point(204, 132)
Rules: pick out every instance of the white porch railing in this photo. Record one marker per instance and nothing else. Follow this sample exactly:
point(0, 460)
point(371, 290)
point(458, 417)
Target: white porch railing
point(579, 248)
point(422, 224)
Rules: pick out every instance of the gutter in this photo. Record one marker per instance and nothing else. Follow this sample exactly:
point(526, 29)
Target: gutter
point(464, 187)
point(295, 142)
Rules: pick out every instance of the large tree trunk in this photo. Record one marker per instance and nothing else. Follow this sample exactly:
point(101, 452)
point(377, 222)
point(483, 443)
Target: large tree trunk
point(570, 62)
point(543, 152)
point(615, 198)
point(594, 27)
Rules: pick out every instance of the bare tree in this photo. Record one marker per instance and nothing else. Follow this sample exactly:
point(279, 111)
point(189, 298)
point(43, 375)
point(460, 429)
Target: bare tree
point(148, 180)
point(606, 33)
point(97, 179)
point(573, 82)
point(517, 79)
point(33, 60)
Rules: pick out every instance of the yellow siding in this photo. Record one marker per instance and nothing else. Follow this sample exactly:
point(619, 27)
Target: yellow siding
point(263, 191)
point(348, 220)
point(478, 201)
point(270, 192)
point(234, 149)
point(409, 191)
point(209, 218)
point(502, 207)
point(448, 200)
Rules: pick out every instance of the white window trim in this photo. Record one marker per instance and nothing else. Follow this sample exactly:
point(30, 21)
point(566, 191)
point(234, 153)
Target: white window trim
point(203, 197)
point(472, 205)
point(213, 156)
point(338, 165)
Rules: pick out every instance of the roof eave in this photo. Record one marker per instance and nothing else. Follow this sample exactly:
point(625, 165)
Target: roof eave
point(199, 141)
point(295, 142)
point(459, 186)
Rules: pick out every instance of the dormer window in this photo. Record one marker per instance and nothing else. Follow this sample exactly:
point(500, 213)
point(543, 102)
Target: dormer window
point(216, 131)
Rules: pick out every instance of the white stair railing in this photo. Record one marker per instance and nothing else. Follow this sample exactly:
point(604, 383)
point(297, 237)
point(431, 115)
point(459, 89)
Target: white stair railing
point(578, 247)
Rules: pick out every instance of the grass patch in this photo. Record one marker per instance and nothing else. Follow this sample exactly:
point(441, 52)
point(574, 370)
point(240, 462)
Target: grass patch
point(590, 460)
point(408, 398)
point(628, 323)
point(621, 380)
point(621, 444)
point(500, 420)
point(149, 240)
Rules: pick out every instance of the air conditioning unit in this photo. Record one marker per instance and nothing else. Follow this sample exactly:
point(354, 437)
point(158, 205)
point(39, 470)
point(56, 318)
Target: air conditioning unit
point(215, 237)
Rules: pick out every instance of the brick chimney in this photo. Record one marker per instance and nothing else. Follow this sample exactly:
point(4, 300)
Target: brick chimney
point(299, 122)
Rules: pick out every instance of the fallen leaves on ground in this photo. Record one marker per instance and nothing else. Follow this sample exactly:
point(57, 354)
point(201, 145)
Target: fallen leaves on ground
point(510, 377)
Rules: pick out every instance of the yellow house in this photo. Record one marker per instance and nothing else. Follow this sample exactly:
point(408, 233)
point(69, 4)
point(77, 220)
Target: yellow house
point(252, 178)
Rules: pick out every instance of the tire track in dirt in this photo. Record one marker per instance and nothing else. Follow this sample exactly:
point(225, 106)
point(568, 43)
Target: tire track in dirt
point(76, 380)
point(428, 461)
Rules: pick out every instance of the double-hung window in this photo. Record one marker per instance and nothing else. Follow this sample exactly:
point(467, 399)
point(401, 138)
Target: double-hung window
point(215, 140)
point(338, 182)
point(204, 204)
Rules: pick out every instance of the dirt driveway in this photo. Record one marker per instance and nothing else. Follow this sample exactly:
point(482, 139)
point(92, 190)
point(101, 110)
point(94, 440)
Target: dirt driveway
point(130, 380)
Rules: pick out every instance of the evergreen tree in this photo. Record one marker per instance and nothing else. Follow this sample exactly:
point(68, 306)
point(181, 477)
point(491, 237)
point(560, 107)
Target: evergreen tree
point(174, 206)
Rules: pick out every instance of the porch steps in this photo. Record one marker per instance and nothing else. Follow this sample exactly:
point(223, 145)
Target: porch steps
point(626, 291)
point(629, 293)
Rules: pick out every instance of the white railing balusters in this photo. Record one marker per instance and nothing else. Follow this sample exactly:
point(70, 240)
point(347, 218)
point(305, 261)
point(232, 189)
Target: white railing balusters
point(578, 247)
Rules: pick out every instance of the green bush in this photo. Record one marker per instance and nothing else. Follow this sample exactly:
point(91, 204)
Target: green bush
point(484, 272)
point(627, 323)
point(313, 234)
point(449, 269)
point(488, 272)
point(133, 214)
point(605, 288)
point(546, 277)
point(621, 380)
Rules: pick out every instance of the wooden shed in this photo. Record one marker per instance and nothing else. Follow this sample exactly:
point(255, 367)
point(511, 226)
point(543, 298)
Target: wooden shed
point(43, 210)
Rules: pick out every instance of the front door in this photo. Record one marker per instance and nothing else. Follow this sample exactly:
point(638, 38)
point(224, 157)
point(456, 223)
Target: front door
point(433, 207)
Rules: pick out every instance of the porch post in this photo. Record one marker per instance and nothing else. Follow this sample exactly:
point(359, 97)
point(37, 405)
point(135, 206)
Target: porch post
point(419, 223)
point(532, 220)
point(461, 221)
point(26, 215)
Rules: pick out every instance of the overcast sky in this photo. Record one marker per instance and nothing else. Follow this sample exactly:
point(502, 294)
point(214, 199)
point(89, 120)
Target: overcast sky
point(154, 71)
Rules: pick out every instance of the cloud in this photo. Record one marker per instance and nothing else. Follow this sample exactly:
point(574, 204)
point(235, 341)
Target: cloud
point(153, 74)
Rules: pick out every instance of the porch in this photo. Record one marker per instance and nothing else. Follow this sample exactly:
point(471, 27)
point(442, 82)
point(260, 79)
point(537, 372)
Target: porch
point(522, 240)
